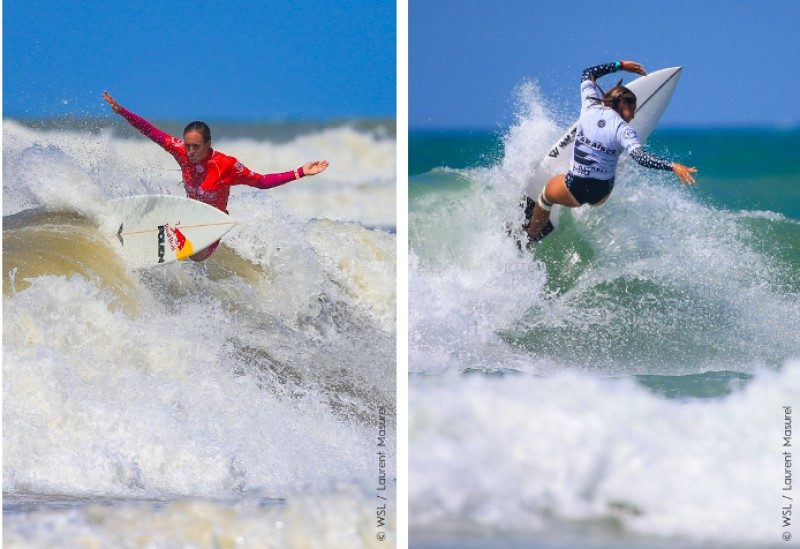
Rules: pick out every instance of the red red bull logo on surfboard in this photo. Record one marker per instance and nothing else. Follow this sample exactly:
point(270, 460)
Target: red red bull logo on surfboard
point(178, 242)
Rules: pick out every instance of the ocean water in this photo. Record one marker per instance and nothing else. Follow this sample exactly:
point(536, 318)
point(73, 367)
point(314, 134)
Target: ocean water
point(623, 384)
point(235, 401)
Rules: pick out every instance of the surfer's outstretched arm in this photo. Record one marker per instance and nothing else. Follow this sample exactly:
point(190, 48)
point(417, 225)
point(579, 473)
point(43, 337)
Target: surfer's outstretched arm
point(161, 138)
point(630, 142)
point(648, 160)
point(245, 176)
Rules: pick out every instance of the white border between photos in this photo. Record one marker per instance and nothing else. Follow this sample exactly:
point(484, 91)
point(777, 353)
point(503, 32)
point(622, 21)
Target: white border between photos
point(402, 273)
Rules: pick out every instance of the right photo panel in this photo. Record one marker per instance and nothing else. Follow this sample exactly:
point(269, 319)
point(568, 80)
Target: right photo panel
point(604, 274)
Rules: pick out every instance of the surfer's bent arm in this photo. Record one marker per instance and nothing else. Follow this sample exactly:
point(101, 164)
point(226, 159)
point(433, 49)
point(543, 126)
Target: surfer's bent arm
point(590, 91)
point(593, 73)
point(161, 138)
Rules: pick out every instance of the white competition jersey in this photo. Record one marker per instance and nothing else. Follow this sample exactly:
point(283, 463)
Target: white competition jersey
point(602, 134)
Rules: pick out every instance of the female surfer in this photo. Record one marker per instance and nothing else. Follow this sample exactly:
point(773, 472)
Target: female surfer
point(603, 132)
point(208, 174)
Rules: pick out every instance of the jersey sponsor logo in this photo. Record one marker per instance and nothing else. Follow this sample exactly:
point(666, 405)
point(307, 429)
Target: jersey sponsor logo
point(239, 167)
point(630, 133)
point(583, 157)
point(601, 123)
point(595, 145)
point(563, 143)
point(582, 170)
point(588, 171)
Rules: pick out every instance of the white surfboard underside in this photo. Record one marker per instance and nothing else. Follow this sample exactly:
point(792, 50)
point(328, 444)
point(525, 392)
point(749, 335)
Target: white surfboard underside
point(158, 229)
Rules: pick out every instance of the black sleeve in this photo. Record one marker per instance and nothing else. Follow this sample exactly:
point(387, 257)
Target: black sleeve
point(650, 161)
point(593, 73)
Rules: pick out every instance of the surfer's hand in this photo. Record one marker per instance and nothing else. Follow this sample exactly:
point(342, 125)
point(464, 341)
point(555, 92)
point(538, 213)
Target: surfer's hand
point(314, 167)
point(684, 173)
point(111, 101)
point(632, 66)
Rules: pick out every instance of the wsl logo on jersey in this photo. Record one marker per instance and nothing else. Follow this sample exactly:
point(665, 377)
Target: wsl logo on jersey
point(601, 123)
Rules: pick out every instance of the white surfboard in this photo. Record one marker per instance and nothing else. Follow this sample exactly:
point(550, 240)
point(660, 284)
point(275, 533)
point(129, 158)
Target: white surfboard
point(157, 229)
point(653, 93)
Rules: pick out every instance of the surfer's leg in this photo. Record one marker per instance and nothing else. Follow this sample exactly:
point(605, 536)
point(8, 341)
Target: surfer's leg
point(555, 192)
point(205, 254)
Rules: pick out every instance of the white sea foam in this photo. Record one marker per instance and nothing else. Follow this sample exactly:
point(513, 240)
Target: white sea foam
point(260, 369)
point(58, 166)
point(519, 454)
point(358, 186)
point(99, 403)
point(652, 265)
point(344, 518)
point(466, 279)
point(652, 282)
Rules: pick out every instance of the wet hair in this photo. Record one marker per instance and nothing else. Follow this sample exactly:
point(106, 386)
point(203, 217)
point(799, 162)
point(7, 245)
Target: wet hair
point(616, 97)
point(198, 126)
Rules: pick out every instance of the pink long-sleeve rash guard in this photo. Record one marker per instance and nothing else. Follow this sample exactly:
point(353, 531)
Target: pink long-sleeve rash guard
point(210, 180)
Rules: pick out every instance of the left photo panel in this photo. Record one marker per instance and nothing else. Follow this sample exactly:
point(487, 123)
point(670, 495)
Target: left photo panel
point(199, 274)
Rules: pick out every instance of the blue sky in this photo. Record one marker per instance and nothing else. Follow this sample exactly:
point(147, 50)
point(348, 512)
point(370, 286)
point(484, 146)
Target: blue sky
point(231, 59)
point(467, 57)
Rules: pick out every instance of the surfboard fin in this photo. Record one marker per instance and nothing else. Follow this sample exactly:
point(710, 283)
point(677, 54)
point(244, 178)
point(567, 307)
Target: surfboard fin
point(119, 235)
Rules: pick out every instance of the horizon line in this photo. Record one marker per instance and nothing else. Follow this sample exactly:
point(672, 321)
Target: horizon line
point(732, 126)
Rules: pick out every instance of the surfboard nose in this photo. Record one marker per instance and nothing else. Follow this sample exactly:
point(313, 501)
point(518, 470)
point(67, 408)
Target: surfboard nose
point(666, 72)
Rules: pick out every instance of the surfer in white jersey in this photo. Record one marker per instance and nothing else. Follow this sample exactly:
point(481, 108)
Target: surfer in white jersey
point(603, 133)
